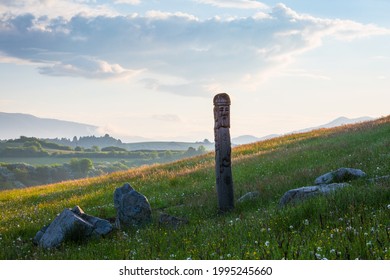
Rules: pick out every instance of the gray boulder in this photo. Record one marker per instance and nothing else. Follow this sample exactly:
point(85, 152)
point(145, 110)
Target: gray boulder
point(132, 208)
point(100, 226)
point(339, 176)
point(71, 225)
point(300, 194)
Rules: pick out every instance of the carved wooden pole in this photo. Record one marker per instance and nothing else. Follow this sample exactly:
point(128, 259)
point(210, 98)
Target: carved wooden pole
point(223, 170)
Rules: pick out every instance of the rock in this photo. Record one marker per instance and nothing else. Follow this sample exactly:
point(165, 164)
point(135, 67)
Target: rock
point(171, 221)
point(132, 208)
point(71, 225)
point(119, 192)
point(300, 194)
point(379, 179)
point(101, 226)
point(339, 176)
point(39, 235)
point(248, 196)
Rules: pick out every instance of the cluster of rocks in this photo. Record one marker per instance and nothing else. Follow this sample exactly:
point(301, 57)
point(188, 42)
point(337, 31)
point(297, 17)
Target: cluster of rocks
point(71, 224)
point(324, 184)
point(132, 209)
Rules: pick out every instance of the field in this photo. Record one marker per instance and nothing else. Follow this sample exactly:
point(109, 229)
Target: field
point(353, 223)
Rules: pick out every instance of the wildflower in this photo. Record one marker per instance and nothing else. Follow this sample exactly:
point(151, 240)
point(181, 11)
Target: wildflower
point(189, 258)
point(306, 222)
point(266, 243)
point(228, 255)
point(388, 206)
point(291, 227)
point(318, 256)
point(332, 251)
point(369, 243)
point(319, 249)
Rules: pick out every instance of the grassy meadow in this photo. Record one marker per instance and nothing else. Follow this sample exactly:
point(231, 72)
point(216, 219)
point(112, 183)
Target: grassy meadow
point(353, 223)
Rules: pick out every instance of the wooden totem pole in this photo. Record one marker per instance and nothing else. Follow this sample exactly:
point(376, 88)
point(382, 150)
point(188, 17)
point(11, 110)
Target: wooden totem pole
point(223, 170)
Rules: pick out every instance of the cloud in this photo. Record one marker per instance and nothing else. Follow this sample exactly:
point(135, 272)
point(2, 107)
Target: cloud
point(199, 55)
point(238, 4)
point(130, 2)
point(56, 8)
point(88, 67)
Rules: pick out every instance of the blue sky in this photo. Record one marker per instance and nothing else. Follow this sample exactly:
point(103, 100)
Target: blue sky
point(151, 68)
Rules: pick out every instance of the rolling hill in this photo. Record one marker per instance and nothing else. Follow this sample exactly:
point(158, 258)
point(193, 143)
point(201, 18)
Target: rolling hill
point(352, 223)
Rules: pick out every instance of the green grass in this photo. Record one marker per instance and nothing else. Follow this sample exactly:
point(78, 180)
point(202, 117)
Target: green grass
point(349, 224)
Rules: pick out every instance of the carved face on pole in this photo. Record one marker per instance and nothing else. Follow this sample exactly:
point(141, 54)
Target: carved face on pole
point(222, 110)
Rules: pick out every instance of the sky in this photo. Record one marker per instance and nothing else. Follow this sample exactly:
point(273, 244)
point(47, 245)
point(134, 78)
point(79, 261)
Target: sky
point(151, 68)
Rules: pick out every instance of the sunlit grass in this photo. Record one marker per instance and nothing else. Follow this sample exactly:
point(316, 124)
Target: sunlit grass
point(349, 224)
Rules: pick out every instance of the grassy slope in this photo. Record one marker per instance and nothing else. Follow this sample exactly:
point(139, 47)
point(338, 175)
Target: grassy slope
point(352, 223)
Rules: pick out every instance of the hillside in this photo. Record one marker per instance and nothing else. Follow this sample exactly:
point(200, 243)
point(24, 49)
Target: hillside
point(349, 224)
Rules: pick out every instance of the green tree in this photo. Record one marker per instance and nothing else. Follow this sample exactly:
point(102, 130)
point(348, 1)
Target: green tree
point(80, 167)
point(201, 150)
point(85, 164)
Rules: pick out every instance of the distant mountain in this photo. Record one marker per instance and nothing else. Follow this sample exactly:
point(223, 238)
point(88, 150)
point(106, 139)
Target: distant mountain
point(246, 139)
point(337, 122)
point(14, 125)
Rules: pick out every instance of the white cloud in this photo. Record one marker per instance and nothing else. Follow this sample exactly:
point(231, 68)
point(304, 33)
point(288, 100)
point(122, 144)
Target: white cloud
point(88, 67)
point(55, 8)
point(154, 14)
point(238, 4)
point(130, 2)
point(201, 54)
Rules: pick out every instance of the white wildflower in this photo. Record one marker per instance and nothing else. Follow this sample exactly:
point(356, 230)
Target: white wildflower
point(266, 243)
